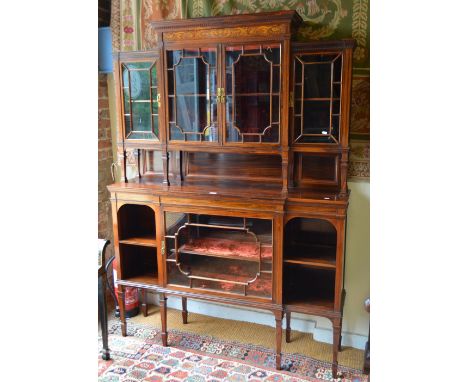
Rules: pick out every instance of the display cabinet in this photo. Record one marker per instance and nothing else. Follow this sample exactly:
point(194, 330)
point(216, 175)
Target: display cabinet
point(238, 140)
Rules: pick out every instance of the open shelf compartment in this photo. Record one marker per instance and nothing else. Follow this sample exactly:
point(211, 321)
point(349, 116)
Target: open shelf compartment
point(138, 264)
point(306, 287)
point(137, 244)
point(310, 242)
point(220, 253)
point(137, 225)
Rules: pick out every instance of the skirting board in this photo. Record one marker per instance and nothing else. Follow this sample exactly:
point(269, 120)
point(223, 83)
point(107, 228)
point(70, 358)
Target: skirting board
point(300, 322)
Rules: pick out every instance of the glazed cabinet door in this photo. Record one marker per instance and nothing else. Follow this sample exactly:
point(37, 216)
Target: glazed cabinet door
point(251, 93)
point(215, 252)
point(317, 97)
point(192, 78)
point(140, 96)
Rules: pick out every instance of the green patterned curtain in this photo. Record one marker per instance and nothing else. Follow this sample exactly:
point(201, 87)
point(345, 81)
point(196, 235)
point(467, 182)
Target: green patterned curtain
point(323, 19)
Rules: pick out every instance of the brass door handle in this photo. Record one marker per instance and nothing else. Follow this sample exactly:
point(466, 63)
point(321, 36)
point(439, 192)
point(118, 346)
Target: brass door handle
point(220, 95)
point(158, 99)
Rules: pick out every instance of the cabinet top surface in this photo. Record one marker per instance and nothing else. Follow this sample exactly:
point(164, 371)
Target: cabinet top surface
point(287, 16)
point(236, 189)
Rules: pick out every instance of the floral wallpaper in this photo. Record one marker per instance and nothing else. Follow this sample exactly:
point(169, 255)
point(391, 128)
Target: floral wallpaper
point(323, 19)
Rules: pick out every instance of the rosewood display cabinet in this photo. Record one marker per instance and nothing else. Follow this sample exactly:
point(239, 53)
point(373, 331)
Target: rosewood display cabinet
point(233, 151)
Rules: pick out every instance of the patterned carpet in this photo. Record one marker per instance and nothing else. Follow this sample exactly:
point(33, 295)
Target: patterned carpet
point(196, 358)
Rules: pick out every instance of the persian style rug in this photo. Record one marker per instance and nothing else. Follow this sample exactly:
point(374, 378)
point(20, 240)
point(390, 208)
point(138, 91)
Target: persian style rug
point(195, 358)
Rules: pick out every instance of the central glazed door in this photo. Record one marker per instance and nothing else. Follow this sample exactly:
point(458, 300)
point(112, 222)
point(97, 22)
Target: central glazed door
point(251, 91)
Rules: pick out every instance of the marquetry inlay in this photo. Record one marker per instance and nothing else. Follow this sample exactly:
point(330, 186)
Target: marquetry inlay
point(253, 31)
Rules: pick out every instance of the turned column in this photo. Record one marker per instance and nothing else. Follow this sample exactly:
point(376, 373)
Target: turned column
point(336, 344)
point(121, 300)
point(163, 309)
point(279, 335)
point(288, 326)
point(143, 305)
point(165, 161)
point(184, 310)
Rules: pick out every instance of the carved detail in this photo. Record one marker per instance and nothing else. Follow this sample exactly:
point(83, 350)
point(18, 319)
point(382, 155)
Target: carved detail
point(254, 31)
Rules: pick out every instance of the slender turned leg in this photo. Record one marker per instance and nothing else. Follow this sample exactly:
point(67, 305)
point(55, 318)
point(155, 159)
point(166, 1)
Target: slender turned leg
point(144, 307)
point(123, 321)
point(165, 157)
point(341, 336)
point(336, 340)
point(103, 315)
point(288, 326)
point(184, 310)
point(162, 305)
point(279, 334)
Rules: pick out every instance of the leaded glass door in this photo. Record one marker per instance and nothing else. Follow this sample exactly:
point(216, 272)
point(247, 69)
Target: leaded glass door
point(141, 98)
point(252, 93)
point(192, 98)
point(316, 97)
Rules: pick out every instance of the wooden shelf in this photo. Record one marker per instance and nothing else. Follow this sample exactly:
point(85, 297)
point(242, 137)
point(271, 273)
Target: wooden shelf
point(318, 256)
point(143, 279)
point(146, 241)
point(227, 249)
point(312, 262)
point(309, 304)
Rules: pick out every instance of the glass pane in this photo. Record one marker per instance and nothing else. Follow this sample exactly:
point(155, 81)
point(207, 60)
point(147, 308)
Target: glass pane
point(175, 133)
point(191, 76)
point(316, 117)
point(317, 76)
point(191, 113)
point(271, 134)
point(275, 110)
point(141, 116)
point(252, 113)
point(141, 135)
point(336, 127)
point(128, 126)
point(252, 89)
point(336, 107)
point(139, 81)
point(337, 69)
point(192, 94)
point(126, 102)
point(336, 90)
point(317, 80)
point(252, 75)
point(297, 72)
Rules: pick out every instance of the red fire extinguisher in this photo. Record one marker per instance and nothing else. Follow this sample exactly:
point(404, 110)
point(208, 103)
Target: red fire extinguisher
point(131, 299)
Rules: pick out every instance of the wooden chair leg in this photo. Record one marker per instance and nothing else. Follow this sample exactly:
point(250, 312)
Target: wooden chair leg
point(279, 335)
point(336, 344)
point(121, 299)
point(143, 305)
point(288, 327)
point(162, 305)
point(184, 310)
point(103, 316)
